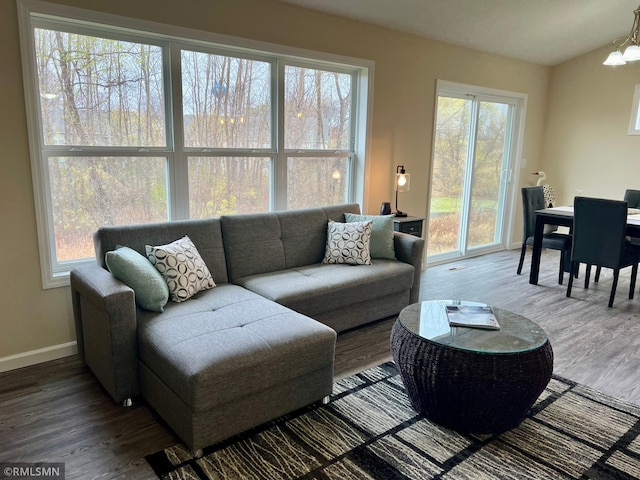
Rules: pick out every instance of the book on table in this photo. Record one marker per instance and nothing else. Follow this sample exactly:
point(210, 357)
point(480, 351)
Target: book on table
point(472, 316)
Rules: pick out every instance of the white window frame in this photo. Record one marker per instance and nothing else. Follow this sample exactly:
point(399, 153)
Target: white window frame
point(56, 274)
point(634, 121)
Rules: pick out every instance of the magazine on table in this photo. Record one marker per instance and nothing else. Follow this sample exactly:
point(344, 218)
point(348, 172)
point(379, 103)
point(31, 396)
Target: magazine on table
point(472, 316)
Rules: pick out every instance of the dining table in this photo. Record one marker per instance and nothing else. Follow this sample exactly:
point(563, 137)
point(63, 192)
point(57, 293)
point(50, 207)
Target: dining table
point(563, 217)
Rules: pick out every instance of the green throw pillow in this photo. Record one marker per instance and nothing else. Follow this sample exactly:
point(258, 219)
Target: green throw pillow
point(381, 234)
point(137, 272)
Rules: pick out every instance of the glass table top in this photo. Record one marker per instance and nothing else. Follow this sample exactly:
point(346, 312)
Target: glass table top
point(516, 334)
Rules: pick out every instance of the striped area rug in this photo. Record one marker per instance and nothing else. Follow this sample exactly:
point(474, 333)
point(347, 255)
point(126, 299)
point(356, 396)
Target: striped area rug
point(370, 431)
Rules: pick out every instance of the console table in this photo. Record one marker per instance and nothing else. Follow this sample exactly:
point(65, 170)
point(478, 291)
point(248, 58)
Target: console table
point(469, 379)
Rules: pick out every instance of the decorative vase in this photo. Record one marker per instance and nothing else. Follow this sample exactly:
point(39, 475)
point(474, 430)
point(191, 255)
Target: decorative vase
point(385, 208)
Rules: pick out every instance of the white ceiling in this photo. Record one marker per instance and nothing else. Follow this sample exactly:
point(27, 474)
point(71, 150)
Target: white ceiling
point(547, 32)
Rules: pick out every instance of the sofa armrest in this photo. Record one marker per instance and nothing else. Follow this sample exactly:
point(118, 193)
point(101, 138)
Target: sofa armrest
point(104, 311)
point(409, 249)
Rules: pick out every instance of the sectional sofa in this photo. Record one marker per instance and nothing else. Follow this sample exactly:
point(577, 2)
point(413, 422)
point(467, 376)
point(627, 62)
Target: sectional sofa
point(258, 344)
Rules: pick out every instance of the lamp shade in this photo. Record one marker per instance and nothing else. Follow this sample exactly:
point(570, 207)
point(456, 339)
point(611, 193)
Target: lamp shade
point(615, 58)
point(631, 53)
point(402, 179)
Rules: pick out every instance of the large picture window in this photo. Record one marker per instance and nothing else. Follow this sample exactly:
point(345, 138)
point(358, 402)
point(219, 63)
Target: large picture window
point(135, 125)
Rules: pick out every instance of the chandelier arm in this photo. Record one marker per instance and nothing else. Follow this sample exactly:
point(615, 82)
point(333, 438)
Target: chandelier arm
point(633, 34)
point(634, 29)
point(618, 46)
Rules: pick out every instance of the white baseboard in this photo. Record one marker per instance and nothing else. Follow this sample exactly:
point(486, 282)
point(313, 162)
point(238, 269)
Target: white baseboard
point(34, 357)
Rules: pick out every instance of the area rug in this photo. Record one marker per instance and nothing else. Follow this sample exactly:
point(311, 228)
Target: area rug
point(370, 431)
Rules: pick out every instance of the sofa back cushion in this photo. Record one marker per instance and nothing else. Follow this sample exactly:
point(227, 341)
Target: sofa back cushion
point(269, 242)
point(205, 234)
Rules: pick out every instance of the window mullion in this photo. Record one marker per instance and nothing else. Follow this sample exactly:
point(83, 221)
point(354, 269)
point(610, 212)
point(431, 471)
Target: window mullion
point(178, 163)
point(279, 195)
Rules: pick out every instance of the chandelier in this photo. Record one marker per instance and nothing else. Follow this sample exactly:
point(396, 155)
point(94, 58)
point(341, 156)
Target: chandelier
point(632, 52)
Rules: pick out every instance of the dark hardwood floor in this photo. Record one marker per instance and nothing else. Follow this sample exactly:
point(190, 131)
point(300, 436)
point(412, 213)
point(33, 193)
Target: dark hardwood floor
point(58, 412)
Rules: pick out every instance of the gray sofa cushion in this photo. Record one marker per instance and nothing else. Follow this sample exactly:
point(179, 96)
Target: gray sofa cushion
point(227, 342)
point(262, 243)
point(318, 288)
point(205, 235)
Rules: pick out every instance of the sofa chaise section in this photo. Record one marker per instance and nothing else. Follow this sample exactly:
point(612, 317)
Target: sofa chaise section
point(228, 360)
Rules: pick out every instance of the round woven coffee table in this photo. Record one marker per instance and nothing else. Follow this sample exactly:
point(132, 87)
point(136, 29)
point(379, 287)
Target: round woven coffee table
point(469, 379)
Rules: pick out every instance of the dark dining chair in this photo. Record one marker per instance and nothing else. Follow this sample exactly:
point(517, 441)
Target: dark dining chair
point(599, 227)
point(532, 200)
point(632, 197)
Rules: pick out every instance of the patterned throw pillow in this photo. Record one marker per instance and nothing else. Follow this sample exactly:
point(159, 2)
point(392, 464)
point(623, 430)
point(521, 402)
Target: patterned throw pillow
point(182, 268)
point(348, 243)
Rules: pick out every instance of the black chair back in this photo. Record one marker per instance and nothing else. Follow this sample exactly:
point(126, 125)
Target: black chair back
point(632, 197)
point(599, 227)
point(532, 200)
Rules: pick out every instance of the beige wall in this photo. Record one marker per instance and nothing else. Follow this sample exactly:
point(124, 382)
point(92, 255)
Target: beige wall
point(406, 70)
point(586, 143)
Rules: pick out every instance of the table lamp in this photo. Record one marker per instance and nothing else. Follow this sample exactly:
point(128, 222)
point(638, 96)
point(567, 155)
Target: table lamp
point(402, 185)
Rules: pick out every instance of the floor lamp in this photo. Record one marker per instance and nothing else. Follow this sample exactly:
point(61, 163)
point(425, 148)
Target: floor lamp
point(402, 185)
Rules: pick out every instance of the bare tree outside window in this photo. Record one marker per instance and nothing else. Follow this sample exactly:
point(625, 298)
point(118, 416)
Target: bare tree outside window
point(98, 92)
point(226, 105)
point(228, 185)
point(449, 160)
point(317, 118)
point(487, 171)
point(89, 192)
point(226, 101)
point(317, 109)
point(317, 181)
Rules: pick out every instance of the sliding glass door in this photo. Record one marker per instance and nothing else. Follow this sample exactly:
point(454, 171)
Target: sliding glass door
point(471, 169)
